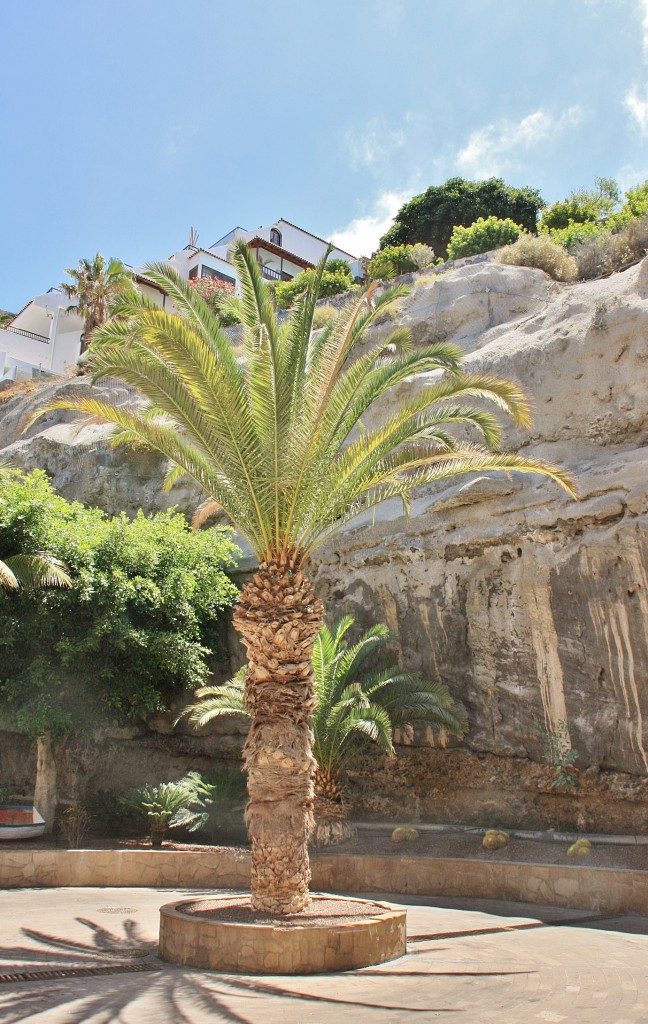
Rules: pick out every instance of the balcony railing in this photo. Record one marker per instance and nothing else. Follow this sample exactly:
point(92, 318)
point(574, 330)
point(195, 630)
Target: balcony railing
point(28, 334)
point(275, 275)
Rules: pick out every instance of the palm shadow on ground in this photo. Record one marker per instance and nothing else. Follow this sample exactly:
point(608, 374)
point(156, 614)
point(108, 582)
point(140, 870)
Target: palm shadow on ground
point(62, 977)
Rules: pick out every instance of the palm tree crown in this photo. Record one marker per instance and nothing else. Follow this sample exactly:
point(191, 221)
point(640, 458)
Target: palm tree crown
point(96, 285)
point(267, 433)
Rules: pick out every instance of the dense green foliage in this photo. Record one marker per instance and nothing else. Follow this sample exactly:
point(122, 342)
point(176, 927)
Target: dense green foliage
point(138, 623)
point(482, 236)
point(431, 216)
point(332, 282)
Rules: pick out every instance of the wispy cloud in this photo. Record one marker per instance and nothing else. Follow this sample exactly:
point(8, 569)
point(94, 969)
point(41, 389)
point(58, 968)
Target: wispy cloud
point(638, 108)
point(374, 143)
point(360, 236)
point(497, 147)
point(636, 99)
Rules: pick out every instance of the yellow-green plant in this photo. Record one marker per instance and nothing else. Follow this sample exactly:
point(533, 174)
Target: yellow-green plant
point(270, 431)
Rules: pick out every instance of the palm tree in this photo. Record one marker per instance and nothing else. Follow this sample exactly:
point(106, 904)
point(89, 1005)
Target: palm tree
point(33, 571)
point(97, 284)
point(352, 708)
point(267, 430)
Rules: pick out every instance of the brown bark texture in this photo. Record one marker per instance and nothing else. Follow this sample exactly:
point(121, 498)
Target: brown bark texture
point(278, 618)
point(330, 810)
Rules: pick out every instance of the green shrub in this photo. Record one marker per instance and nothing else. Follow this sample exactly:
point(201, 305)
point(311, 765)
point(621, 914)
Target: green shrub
point(392, 261)
point(169, 804)
point(482, 236)
point(573, 236)
point(339, 266)
point(541, 253)
point(323, 315)
point(215, 293)
point(333, 282)
point(636, 203)
point(109, 817)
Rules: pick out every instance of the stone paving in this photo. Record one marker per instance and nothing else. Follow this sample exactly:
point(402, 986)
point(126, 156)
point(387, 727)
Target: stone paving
point(468, 962)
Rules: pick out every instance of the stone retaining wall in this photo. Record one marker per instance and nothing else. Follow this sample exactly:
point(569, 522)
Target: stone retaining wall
point(610, 890)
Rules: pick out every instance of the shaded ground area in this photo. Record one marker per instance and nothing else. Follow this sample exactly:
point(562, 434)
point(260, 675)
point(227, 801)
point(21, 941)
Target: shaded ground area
point(468, 962)
point(377, 842)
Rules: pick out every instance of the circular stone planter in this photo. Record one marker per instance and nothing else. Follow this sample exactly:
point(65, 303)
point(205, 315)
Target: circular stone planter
point(191, 933)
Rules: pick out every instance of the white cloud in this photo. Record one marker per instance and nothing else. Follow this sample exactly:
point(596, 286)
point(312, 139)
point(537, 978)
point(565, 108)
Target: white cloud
point(360, 237)
point(634, 102)
point(638, 108)
point(495, 148)
point(643, 11)
point(374, 143)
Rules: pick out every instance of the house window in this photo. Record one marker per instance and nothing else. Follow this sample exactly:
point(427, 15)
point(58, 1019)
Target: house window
point(275, 236)
point(193, 273)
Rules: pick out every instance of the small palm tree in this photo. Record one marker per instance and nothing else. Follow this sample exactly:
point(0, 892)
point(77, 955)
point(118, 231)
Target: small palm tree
point(353, 708)
point(97, 284)
point(270, 431)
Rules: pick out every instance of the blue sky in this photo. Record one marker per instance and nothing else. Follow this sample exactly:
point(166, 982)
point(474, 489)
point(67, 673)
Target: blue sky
point(126, 123)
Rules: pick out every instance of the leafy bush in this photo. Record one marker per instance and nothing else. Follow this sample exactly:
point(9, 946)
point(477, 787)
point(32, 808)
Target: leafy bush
point(138, 624)
point(215, 292)
point(334, 282)
point(423, 256)
point(543, 254)
point(586, 206)
point(431, 216)
point(223, 806)
point(636, 203)
point(323, 315)
point(392, 261)
point(482, 236)
point(339, 266)
point(576, 233)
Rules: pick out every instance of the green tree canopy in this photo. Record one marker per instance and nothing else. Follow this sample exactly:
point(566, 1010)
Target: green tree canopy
point(138, 623)
point(431, 216)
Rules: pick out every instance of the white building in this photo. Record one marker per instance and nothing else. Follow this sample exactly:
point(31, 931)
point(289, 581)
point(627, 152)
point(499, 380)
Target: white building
point(282, 250)
point(45, 336)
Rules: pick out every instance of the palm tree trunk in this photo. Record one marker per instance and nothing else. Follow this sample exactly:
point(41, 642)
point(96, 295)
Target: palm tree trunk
point(278, 618)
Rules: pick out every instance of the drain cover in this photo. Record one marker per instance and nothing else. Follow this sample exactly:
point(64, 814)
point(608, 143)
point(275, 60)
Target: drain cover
point(47, 974)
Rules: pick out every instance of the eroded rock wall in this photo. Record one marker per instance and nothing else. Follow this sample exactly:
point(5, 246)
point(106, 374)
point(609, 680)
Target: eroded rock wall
point(532, 607)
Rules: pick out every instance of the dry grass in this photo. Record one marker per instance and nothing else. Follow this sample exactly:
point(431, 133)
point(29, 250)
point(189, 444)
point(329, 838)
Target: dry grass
point(323, 315)
point(613, 251)
point(541, 253)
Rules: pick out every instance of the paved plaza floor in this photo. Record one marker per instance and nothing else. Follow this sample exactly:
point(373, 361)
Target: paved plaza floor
point(89, 955)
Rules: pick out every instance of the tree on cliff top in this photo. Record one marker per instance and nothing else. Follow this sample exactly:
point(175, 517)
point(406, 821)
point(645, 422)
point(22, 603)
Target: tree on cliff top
point(269, 430)
point(137, 624)
point(431, 216)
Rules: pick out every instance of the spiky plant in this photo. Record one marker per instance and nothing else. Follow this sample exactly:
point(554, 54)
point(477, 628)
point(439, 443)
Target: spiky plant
point(96, 284)
point(268, 430)
point(353, 707)
point(30, 572)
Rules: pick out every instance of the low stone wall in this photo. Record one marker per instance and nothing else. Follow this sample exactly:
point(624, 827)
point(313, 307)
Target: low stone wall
point(610, 890)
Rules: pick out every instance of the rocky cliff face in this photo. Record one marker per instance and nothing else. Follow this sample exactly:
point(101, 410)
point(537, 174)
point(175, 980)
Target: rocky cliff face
point(532, 607)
